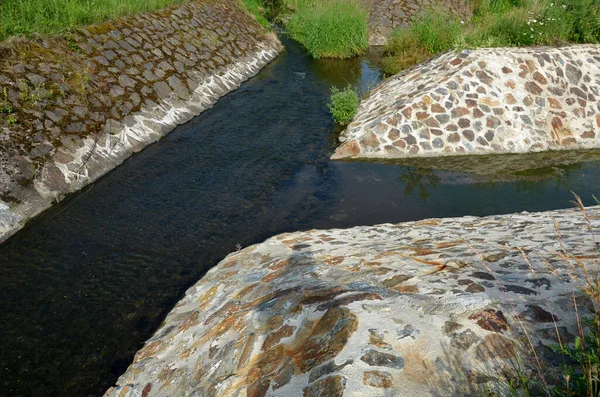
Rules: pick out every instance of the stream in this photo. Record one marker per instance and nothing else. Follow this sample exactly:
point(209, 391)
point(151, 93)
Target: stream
point(86, 283)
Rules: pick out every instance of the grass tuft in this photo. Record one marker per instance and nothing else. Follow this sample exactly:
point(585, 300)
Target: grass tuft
point(330, 28)
point(343, 104)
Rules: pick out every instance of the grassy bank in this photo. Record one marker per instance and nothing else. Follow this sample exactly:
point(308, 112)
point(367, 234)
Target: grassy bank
point(495, 23)
point(53, 16)
point(326, 28)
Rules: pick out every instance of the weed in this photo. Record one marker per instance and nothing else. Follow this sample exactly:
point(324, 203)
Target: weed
point(343, 104)
point(330, 28)
point(259, 10)
point(495, 23)
point(6, 109)
point(11, 119)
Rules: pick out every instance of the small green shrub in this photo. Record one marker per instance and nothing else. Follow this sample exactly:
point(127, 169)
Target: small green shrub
point(343, 104)
point(330, 28)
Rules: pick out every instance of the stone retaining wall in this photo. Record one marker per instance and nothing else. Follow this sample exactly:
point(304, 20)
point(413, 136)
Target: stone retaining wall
point(502, 100)
point(73, 108)
point(387, 15)
point(440, 307)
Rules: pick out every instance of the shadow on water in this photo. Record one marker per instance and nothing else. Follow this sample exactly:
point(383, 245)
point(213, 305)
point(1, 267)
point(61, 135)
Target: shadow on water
point(87, 282)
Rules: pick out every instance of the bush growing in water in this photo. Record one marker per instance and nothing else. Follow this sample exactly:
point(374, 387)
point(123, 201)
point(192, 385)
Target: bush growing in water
point(330, 28)
point(343, 104)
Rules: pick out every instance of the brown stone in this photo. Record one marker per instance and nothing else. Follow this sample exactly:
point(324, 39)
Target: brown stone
point(588, 134)
point(258, 388)
point(431, 122)
point(369, 140)
point(510, 99)
point(471, 103)
point(533, 88)
point(537, 76)
point(506, 70)
point(327, 339)
point(453, 137)
point(494, 347)
point(491, 320)
point(348, 149)
point(477, 113)
point(273, 338)
point(470, 135)
point(379, 379)
point(437, 108)
point(332, 386)
point(422, 115)
point(459, 112)
point(554, 103)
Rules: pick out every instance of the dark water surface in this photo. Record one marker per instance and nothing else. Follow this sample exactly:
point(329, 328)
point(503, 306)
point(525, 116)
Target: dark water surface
point(85, 284)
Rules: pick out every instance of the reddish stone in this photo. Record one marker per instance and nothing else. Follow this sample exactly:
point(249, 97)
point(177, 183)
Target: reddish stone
point(570, 141)
point(394, 134)
point(471, 103)
point(511, 84)
point(537, 76)
point(491, 320)
point(506, 70)
point(598, 120)
point(456, 61)
point(407, 112)
point(348, 149)
point(422, 115)
point(557, 123)
point(554, 104)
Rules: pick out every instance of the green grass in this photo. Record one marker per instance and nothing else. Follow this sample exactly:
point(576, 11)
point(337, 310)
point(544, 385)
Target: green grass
point(25, 17)
point(330, 28)
point(259, 10)
point(495, 23)
point(343, 104)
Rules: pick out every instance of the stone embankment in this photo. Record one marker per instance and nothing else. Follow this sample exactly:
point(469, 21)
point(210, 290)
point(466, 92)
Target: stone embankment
point(503, 100)
point(442, 307)
point(73, 108)
point(387, 15)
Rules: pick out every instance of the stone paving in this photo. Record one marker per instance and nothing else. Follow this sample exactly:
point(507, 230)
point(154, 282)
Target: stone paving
point(502, 100)
point(440, 307)
point(387, 15)
point(71, 109)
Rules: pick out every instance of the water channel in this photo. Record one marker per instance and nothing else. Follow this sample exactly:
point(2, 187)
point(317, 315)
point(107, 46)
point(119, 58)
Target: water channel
point(86, 283)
